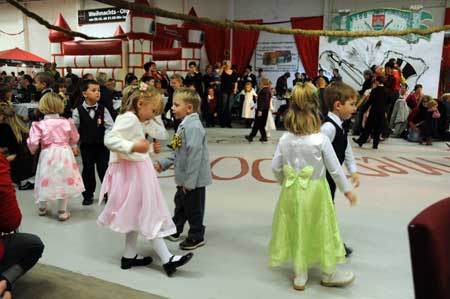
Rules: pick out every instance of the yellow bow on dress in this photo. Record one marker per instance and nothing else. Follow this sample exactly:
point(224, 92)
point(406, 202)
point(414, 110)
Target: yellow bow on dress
point(303, 177)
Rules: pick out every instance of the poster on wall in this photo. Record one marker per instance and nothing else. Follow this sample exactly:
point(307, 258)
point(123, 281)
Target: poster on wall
point(102, 15)
point(419, 57)
point(276, 56)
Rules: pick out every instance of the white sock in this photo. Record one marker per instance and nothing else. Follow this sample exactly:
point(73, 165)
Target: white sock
point(42, 205)
point(63, 204)
point(130, 245)
point(162, 251)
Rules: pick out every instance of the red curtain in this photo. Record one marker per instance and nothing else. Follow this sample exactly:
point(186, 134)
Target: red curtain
point(215, 43)
point(308, 46)
point(244, 44)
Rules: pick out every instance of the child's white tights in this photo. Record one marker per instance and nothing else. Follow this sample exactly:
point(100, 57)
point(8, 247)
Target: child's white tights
point(159, 246)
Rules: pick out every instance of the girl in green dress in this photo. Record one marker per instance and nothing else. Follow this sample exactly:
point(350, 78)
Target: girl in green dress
point(305, 230)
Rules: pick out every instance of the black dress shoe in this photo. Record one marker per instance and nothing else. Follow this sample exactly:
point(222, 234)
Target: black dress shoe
point(263, 139)
point(250, 139)
point(348, 250)
point(126, 263)
point(171, 266)
point(27, 186)
point(357, 142)
point(88, 201)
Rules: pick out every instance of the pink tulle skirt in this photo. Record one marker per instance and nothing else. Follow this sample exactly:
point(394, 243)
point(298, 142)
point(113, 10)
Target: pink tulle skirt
point(135, 201)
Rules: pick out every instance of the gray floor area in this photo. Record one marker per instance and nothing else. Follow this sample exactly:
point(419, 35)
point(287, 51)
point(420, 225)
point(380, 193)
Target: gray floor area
point(240, 204)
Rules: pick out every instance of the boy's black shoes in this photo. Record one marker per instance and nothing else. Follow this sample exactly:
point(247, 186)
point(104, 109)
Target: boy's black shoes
point(171, 266)
point(263, 139)
point(348, 250)
point(190, 244)
point(250, 139)
point(88, 201)
point(357, 142)
point(27, 186)
point(174, 238)
point(127, 263)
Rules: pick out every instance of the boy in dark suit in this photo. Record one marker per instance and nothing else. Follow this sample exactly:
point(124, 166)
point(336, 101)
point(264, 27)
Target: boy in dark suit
point(340, 99)
point(92, 120)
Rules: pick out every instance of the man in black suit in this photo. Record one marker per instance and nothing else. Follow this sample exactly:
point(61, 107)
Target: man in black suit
point(377, 103)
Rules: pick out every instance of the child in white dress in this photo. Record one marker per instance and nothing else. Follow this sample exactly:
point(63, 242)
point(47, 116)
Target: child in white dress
point(248, 111)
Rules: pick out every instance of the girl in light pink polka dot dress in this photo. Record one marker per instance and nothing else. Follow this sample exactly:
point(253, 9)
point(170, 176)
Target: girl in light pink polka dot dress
point(57, 175)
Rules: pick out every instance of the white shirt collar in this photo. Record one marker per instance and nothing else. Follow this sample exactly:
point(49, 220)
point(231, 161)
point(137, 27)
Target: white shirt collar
point(85, 105)
point(51, 116)
point(335, 118)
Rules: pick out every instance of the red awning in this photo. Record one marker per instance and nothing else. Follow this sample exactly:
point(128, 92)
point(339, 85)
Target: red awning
point(20, 55)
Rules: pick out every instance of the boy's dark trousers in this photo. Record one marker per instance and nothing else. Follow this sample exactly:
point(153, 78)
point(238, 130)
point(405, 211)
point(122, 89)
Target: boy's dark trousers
point(260, 124)
point(93, 155)
point(332, 185)
point(190, 207)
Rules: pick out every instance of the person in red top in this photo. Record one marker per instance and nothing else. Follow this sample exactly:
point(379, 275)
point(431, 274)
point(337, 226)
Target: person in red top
point(19, 252)
point(415, 97)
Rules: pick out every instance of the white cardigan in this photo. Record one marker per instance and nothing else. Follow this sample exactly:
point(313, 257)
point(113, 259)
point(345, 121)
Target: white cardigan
point(127, 130)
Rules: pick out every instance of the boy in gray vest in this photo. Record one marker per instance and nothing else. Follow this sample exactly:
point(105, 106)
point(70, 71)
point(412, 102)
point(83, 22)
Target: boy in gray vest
point(192, 168)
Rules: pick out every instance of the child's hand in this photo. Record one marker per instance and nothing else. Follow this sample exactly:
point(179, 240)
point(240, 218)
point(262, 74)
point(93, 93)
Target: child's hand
point(185, 190)
point(11, 157)
point(351, 198)
point(355, 179)
point(76, 151)
point(157, 167)
point(141, 146)
point(259, 113)
point(156, 146)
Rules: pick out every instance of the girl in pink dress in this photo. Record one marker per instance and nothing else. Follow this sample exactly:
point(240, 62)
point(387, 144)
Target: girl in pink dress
point(135, 201)
point(57, 175)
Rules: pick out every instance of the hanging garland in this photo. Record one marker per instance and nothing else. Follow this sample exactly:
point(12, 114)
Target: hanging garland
point(11, 34)
point(224, 24)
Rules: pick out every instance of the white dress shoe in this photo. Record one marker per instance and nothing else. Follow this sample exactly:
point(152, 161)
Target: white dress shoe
point(300, 281)
point(337, 279)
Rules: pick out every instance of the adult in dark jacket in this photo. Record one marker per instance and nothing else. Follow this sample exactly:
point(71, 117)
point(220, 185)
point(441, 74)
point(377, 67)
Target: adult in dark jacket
point(377, 103)
point(261, 112)
point(19, 252)
point(248, 76)
point(106, 95)
point(281, 87)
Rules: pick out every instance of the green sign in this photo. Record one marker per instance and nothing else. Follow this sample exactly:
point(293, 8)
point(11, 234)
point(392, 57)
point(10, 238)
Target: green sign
point(381, 19)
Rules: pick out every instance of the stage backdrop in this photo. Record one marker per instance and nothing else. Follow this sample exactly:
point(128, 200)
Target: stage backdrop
point(419, 57)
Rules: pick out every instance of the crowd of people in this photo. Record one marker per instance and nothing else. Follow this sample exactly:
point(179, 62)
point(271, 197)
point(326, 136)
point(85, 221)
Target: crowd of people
point(79, 116)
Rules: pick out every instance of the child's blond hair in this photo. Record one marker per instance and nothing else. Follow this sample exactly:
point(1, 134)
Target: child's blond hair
point(51, 103)
point(445, 97)
point(338, 92)
point(265, 82)
point(13, 121)
point(432, 104)
point(302, 117)
point(188, 96)
point(134, 93)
